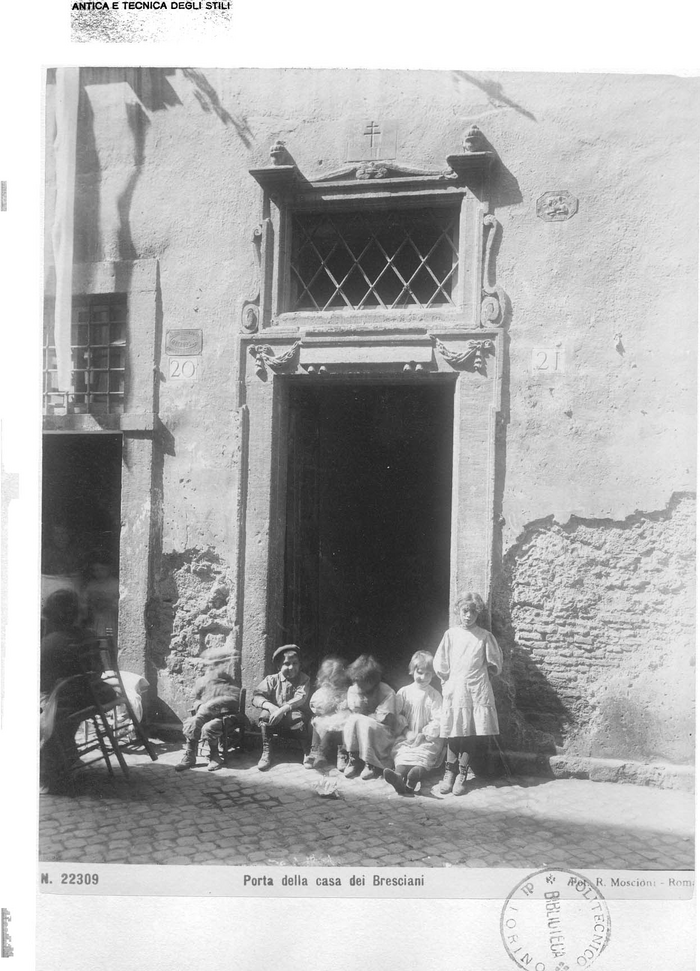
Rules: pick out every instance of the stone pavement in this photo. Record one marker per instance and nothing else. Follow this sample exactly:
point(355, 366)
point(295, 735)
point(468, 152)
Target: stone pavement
point(239, 815)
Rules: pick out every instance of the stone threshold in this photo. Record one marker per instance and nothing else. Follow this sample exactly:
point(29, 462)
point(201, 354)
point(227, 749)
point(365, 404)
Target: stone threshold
point(663, 775)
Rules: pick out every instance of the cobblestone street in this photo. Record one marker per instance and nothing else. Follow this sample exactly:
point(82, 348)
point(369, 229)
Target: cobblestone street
point(239, 815)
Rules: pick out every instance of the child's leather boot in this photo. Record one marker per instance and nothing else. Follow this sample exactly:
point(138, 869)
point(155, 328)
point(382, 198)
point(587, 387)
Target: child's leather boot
point(266, 758)
point(189, 757)
point(462, 784)
point(448, 780)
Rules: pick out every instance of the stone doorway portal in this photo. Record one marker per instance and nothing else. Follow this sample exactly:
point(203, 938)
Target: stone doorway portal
point(368, 520)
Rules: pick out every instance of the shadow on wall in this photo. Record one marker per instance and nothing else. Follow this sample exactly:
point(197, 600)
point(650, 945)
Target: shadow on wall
point(531, 714)
point(494, 92)
point(209, 101)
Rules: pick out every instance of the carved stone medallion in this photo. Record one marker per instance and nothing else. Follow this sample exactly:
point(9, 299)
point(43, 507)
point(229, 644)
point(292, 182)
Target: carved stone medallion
point(556, 206)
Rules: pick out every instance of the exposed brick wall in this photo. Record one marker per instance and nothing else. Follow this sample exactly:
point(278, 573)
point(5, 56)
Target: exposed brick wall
point(597, 621)
point(191, 612)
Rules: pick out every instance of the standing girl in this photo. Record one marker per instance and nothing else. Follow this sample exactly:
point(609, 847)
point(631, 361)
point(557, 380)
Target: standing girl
point(464, 661)
point(420, 749)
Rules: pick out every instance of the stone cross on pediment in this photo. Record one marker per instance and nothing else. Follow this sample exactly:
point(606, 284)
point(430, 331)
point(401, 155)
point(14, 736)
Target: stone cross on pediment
point(370, 140)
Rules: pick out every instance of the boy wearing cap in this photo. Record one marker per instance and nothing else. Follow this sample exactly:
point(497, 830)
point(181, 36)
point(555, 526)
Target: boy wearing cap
point(283, 700)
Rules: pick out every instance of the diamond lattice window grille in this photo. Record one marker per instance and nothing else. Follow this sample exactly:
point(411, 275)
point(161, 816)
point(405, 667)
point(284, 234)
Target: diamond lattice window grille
point(380, 259)
point(98, 351)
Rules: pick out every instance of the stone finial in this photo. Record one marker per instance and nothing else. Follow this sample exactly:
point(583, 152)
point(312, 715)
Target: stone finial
point(279, 153)
point(473, 141)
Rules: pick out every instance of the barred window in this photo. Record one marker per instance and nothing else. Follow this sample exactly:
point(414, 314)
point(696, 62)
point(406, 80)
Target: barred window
point(98, 352)
point(387, 259)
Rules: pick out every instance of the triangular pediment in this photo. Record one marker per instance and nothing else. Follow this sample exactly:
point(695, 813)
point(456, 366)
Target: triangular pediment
point(376, 170)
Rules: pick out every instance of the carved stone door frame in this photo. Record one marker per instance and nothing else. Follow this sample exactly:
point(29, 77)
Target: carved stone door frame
point(465, 341)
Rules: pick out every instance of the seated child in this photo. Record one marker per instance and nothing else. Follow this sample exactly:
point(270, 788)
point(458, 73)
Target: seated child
point(372, 724)
point(329, 706)
point(420, 748)
point(284, 702)
point(216, 694)
point(67, 684)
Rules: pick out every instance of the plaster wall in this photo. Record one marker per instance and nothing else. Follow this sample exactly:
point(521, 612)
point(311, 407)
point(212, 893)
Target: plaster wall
point(163, 174)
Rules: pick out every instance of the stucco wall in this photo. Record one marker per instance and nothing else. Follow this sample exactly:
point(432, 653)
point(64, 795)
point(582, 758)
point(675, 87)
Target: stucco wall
point(163, 174)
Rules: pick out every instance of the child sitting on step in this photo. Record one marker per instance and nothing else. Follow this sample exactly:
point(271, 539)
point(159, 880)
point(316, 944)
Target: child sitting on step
point(372, 725)
point(329, 706)
point(283, 700)
point(216, 694)
point(420, 748)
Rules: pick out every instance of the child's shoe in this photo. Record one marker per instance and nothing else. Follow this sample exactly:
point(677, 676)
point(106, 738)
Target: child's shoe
point(309, 761)
point(215, 760)
point(188, 760)
point(448, 780)
point(353, 768)
point(370, 772)
point(395, 780)
point(462, 784)
point(265, 761)
point(341, 762)
point(413, 778)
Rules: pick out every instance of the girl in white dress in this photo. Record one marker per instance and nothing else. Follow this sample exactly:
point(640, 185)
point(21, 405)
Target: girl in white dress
point(329, 706)
point(464, 661)
point(372, 726)
point(420, 748)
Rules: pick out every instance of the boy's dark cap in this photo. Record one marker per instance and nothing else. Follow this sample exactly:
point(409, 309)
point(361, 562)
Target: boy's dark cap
point(286, 647)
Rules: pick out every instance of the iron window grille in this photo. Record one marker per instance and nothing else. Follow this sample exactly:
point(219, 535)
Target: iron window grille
point(387, 259)
point(98, 352)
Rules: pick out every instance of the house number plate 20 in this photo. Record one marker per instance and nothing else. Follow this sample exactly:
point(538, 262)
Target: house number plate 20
point(183, 369)
point(546, 360)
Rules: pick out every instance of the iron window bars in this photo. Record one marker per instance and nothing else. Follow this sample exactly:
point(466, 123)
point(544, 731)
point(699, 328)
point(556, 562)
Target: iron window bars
point(98, 352)
point(387, 259)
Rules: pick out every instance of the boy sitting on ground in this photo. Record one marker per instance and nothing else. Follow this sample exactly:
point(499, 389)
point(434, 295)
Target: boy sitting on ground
point(284, 702)
point(216, 694)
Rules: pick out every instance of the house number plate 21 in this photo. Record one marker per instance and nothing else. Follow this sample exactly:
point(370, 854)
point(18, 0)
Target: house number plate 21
point(546, 360)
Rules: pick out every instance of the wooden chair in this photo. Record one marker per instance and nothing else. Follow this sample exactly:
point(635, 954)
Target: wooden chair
point(233, 737)
point(234, 727)
point(102, 732)
point(127, 727)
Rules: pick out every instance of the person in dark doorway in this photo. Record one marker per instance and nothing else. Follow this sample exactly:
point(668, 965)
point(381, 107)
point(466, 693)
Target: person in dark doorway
point(62, 562)
point(283, 700)
point(420, 748)
point(216, 694)
point(329, 706)
point(102, 595)
point(61, 555)
point(464, 661)
point(373, 723)
point(67, 684)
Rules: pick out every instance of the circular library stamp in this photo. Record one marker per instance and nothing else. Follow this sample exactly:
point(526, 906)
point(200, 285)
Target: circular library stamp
point(555, 920)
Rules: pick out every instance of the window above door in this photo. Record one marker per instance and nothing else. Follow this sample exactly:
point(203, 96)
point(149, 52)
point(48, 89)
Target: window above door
point(358, 259)
point(372, 244)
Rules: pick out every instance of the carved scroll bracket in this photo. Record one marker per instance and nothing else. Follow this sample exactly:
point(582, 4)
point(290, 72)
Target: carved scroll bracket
point(265, 358)
point(494, 301)
point(472, 358)
point(250, 314)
